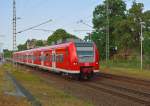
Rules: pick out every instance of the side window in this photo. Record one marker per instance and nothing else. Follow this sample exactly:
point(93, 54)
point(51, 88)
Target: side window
point(29, 57)
point(57, 58)
point(34, 58)
point(60, 58)
point(41, 58)
point(53, 57)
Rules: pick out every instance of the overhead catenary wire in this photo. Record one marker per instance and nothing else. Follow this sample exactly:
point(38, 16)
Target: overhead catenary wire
point(81, 21)
point(30, 28)
point(82, 30)
point(45, 30)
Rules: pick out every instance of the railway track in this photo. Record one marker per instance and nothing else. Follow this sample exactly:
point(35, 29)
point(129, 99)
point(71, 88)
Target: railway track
point(99, 86)
point(126, 79)
point(115, 90)
point(126, 93)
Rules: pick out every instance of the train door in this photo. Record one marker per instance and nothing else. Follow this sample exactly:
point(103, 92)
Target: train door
point(42, 60)
point(32, 57)
point(53, 59)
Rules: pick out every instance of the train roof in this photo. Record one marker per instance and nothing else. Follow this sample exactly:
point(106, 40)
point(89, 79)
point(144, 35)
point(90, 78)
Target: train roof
point(47, 47)
point(55, 46)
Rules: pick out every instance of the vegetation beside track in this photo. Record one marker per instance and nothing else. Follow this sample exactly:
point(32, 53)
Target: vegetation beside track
point(7, 87)
point(126, 69)
point(1, 80)
point(45, 93)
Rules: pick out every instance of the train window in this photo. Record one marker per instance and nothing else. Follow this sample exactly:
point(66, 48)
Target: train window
point(57, 58)
point(53, 58)
point(88, 53)
point(33, 58)
point(25, 57)
point(42, 57)
point(30, 57)
point(84, 44)
point(60, 58)
point(85, 52)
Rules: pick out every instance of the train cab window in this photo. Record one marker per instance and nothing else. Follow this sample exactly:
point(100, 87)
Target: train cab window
point(85, 51)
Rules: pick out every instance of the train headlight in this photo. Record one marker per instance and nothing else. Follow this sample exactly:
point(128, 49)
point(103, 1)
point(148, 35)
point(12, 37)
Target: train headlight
point(75, 63)
point(96, 63)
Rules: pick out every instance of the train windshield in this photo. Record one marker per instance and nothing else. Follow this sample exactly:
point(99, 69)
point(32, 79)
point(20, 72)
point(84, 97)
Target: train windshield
point(85, 52)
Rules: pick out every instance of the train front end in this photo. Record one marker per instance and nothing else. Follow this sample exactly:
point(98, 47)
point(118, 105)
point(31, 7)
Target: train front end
point(88, 59)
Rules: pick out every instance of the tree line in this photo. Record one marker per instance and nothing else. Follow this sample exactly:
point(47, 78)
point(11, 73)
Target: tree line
point(124, 28)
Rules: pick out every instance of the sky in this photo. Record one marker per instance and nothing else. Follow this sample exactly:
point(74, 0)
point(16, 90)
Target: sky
point(64, 14)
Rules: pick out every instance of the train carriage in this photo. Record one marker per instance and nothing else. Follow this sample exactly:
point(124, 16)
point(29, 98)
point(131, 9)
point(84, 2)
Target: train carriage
point(73, 58)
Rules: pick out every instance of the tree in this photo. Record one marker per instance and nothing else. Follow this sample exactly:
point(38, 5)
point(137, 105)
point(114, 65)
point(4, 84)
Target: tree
point(100, 40)
point(125, 25)
point(22, 47)
point(7, 53)
point(59, 34)
point(39, 43)
point(135, 16)
point(117, 10)
point(146, 41)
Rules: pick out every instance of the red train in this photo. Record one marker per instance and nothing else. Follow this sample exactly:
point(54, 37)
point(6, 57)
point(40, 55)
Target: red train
point(73, 58)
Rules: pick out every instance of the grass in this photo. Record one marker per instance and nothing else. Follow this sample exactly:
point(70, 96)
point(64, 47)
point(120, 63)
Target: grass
point(126, 68)
point(1, 79)
point(9, 100)
point(47, 94)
